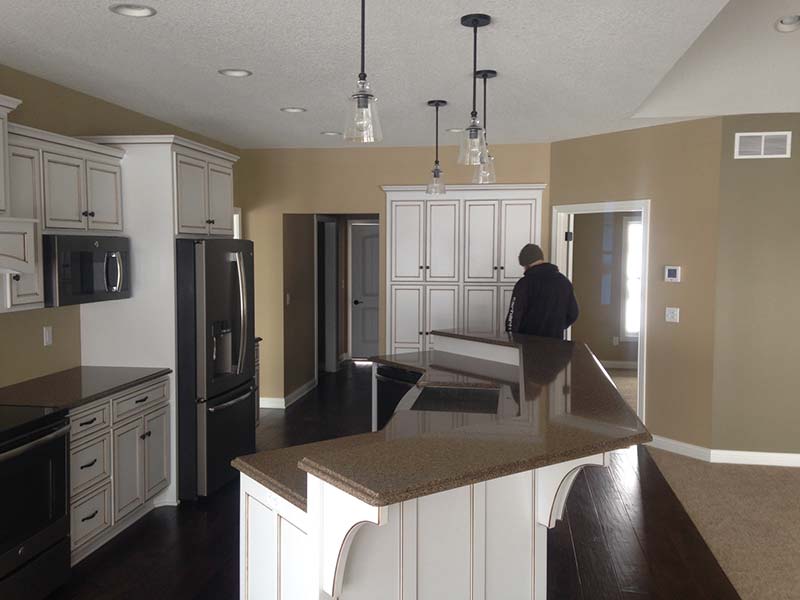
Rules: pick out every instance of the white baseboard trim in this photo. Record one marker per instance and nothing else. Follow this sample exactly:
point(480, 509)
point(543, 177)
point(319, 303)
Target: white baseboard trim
point(619, 364)
point(733, 457)
point(300, 392)
point(265, 402)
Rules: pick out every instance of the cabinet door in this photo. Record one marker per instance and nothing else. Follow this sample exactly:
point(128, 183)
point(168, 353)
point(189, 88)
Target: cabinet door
point(4, 187)
point(156, 452)
point(104, 195)
point(443, 244)
point(517, 220)
point(64, 192)
point(506, 291)
point(407, 241)
point(441, 308)
point(407, 316)
point(128, 474)
point(220, 199)
point(480, 310)
point(191, 195)
point(25, 172)
point(480, 240)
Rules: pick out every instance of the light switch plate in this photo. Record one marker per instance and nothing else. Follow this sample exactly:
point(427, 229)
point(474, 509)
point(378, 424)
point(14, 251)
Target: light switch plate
point(673, 314)
point(47, 335)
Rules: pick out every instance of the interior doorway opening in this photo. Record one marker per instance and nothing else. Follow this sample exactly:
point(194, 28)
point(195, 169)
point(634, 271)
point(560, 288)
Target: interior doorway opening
point(603, 250)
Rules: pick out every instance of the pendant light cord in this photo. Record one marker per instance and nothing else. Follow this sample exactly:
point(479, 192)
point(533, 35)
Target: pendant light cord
point(363, 75)
point(436, 162)
point(484, 102)
point(474, 67)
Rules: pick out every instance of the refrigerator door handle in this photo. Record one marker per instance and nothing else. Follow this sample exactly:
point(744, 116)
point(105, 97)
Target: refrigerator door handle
point(118, 287)
point(243, 316)
point(230, 403)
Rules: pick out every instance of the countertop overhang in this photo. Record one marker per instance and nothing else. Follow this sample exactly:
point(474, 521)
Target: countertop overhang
point(559, 405)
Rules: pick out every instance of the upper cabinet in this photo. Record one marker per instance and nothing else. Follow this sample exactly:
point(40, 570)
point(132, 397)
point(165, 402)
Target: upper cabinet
point(7, 104)
point(220, 199)
point(203, 195)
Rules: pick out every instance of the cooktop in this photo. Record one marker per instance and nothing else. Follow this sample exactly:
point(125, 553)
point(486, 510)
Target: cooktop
point(17, 421)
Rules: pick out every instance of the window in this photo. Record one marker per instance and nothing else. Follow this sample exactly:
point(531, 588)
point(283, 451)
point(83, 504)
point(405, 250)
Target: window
point(631, 313)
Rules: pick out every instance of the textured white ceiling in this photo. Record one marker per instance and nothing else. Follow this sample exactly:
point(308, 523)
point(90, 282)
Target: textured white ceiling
point(739, 65)
point(566, 68)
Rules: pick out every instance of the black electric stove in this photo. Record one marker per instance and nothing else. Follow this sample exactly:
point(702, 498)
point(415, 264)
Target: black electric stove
point(17, 421)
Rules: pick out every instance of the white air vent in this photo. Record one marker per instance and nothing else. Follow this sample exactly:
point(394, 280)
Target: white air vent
point(764, 144)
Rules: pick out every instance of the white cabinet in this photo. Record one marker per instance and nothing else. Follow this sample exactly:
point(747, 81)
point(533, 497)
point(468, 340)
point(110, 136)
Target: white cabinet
point(517, 228)
point(191, 193)
point(407, 241)
point(156, 452)
point(441, 308)
point(104, 196)
point(128, 468)
point(64, 191)
point(480, 241)
point(480, 310)
point(220, 199)
point(506, 292)
point(443, 243)
point(7, 104)
point(407, 323)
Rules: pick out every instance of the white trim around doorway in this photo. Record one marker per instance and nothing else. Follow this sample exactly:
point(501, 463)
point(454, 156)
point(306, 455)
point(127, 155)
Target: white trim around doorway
point(558, 244)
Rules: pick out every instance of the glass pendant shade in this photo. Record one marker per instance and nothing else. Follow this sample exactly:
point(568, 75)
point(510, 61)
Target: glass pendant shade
point(436, 185)
point(363, 125)
point(473, 144)
point(484, 172)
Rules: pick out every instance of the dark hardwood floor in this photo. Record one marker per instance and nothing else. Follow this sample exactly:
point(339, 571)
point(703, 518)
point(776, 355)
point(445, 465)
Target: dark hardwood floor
point(625, 536)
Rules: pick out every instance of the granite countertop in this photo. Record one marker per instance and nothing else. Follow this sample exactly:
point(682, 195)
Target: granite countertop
point(565, 407)
point(75, 387)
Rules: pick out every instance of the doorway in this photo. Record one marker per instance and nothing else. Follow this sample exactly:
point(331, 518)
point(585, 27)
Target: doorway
point(364, 285)
point(603, 250)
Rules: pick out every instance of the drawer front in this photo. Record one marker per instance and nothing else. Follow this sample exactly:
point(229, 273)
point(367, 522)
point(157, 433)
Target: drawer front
point(90, 516)
point(138, 400)
point(87, 422)
point(89, 464)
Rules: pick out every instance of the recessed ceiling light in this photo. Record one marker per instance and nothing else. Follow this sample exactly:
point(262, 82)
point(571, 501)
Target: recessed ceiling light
point(331, 133)
point(293, 109)
point(788, 23)
point(133, 10)
point(235, 72)
point(455, 130)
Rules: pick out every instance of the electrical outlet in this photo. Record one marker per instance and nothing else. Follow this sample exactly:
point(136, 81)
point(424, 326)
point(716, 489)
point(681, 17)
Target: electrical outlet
point(47, 335)
point(673, 314)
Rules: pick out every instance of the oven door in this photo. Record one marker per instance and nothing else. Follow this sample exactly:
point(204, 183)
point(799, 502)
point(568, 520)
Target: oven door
point(33, 503)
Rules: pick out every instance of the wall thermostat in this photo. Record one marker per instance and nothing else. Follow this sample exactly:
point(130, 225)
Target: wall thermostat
point(672, 274)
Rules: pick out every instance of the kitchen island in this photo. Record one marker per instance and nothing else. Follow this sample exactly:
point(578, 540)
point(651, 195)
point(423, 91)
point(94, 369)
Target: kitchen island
point(453, 498)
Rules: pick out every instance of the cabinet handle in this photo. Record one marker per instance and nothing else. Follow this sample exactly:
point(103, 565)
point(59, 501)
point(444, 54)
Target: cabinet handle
point(16, 277)
point(428, 267)
point(91, 213)
point(85, 213)
point(146, 434)
point(502, 268)
point(89, 422)
point(420, 333)
point(495, 268)
point(421, 267)
point(140, 400)
point(89, 464)
point(90, 517)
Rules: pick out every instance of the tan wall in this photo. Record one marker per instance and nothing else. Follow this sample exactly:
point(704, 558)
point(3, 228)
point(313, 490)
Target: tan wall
point(298, 316)
point(677, 168)
point(757, 352)
point(595, 257)
point(52, 107)
point(272, 183)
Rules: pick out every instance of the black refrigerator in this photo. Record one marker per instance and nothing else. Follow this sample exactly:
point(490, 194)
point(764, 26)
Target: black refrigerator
point(216, 367)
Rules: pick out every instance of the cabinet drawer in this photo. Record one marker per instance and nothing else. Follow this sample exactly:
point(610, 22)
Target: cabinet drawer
point(90, 516)
point(136, 401)
point(87, 422)
point(89, 464)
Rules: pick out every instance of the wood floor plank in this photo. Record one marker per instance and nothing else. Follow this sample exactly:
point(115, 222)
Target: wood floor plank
point(563, 578)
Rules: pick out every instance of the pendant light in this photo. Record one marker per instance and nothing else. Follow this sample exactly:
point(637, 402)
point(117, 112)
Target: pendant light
point(484, 172)
point(363, 125)
point(473, 144)
point(436, 185)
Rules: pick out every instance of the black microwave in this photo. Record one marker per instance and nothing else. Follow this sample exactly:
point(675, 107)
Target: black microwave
point(81, 268)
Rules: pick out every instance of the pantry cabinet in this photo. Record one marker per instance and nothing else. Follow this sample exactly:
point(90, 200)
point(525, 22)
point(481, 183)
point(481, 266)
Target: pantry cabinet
point(453, 259)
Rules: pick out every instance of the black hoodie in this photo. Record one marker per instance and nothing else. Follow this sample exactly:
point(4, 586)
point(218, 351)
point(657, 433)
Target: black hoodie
point(543, 303)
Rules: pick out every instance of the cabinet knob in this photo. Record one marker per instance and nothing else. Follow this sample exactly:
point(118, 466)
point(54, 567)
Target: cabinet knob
point(502, 268)
point(495, 268)
point(428, 267)
point(16, 277)
point(91, 213)
point(421, 267)
point(85, 213)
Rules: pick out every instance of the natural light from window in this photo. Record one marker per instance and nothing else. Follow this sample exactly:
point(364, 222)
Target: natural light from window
point(632, 277)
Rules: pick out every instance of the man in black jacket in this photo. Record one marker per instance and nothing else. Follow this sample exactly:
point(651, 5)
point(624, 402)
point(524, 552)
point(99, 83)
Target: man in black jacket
point(543, 302)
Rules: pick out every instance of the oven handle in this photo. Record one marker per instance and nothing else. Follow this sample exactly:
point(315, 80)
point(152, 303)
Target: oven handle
point(34, 444)
point(230, 403)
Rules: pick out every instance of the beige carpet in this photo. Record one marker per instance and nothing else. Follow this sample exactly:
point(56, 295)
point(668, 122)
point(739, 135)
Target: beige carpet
point(749, 517)
point(627, 382)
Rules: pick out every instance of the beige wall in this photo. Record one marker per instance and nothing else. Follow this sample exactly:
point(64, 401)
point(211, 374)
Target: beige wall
point(272, 183)
point(597, 254)
point(757, 353)
point(52, 107)
point(677, 168)
point(298, 316)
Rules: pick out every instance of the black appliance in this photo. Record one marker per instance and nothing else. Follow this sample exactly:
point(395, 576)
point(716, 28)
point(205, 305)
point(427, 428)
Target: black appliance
point(34, 503)
point(216, 362)
point(82, 268)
